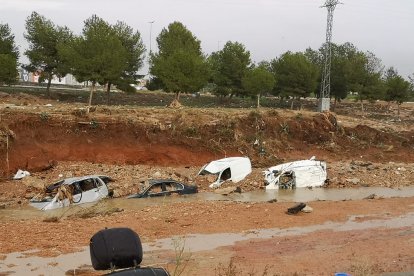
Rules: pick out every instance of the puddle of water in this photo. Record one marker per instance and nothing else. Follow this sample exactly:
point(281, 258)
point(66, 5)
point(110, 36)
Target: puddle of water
point(193, 243)
point(202, 242)
point(20, 265)
point(296, 195)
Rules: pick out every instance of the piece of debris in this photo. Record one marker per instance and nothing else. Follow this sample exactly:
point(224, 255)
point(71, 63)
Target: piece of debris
point(51, 219)
point(157, 174)
point(372, 196)
point(354, 181)
point(296, 209)
point(233, 169)
point(69, 191)
point(94, 212)
point(175, 104)
point(20, 174)
point(228, 190)
point(307, 209)
point(274, 200)
point(297, 174)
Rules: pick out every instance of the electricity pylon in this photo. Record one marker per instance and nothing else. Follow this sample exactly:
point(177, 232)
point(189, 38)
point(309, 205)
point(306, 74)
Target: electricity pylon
point(324, 101)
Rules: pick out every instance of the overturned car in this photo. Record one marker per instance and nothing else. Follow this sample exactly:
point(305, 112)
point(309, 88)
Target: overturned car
point(70, 191)
point(297, 174)
point(233, 169)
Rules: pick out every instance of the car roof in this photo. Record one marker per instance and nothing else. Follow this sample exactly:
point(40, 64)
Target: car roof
point(71, 180)
point(157, 181)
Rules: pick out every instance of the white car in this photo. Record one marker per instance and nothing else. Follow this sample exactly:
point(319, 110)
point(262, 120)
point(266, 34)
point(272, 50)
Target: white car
point(297, 174)
point(72, 191)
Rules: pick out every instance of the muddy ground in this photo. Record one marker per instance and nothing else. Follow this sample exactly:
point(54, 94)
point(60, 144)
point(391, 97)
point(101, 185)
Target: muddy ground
point(374, 148)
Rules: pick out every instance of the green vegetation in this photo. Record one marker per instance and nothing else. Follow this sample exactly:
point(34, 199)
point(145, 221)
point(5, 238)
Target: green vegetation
point(295, 75)
point(258, 81)
point(397, 88)
point(9, 55)
point(179, 65)
point(44, 37)
point(228, 67)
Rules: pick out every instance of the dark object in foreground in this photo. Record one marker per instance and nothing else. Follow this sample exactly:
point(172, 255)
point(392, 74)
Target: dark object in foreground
point(165, 187)
point(296, 209)
point(116, 247)
point(120, 248)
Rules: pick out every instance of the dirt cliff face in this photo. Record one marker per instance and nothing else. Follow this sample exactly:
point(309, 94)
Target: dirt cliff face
point(191, 137)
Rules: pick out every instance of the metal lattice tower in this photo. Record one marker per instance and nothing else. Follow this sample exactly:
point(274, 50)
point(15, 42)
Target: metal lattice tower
point(324, 103)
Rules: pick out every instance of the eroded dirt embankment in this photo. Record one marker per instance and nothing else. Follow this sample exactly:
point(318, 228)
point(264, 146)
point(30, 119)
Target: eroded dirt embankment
point(191, 137)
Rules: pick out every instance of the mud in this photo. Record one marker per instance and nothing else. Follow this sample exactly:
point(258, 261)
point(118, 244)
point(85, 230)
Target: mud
point(368, 152)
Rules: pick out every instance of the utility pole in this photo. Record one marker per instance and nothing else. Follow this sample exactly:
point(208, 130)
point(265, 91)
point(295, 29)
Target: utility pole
point(151, 22)
point(150, 50)
point(325, 100)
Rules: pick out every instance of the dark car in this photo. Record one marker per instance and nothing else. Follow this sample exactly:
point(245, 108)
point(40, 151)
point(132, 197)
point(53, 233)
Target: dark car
point(165, 187)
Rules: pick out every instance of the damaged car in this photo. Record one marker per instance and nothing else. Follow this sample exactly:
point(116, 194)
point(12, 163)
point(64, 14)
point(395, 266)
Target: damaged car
point(72, 191)
point(232, 169)
point(297, 174)
point(165, 187)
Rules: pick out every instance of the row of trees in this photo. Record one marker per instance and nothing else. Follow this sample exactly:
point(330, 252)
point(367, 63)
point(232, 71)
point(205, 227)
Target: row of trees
point(180, 66)
point(113, 54)
point(103, 54)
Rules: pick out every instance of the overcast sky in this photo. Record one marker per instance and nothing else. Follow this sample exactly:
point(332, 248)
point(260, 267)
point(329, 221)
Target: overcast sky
point(267, 28)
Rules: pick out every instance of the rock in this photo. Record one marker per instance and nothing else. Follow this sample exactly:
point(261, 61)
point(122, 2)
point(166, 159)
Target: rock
point(272, 200)
point(228, 190)
point(371, 196)
point(157, 175)
point(354, 181)
point(307, 209)
point(183, 174)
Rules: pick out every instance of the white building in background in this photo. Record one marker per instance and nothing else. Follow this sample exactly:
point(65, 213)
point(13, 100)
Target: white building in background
point(33, 77)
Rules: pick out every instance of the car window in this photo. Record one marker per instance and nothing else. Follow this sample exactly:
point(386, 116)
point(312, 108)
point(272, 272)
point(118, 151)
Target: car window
point(156, 188)
point(87, 184)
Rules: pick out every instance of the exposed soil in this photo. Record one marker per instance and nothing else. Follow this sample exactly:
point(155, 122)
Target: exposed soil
point(132, 144)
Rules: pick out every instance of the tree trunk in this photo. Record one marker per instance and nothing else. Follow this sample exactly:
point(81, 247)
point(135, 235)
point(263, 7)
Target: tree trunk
point(334, 105)
point(291, 104)
point(258, 100)
point(362, 105)
point(398, 110)
point(90, 97)
point(49, 81)
point(177, 95)
point(108, 90)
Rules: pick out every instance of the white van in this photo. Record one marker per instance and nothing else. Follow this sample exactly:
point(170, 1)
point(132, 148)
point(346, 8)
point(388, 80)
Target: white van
point(233, 168)
point(297, 174)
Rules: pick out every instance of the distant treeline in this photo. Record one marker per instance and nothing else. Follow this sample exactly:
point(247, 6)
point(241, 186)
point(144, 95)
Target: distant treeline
point(110, 55)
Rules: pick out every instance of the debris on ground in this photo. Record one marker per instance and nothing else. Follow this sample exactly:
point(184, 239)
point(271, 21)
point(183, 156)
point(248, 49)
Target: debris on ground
point(373, 196)
point(307, 209)
point(20, 174)
point(228, 190)
point(296, 209)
